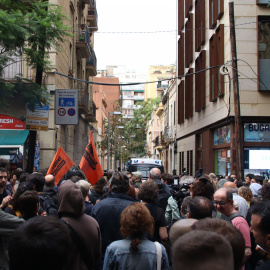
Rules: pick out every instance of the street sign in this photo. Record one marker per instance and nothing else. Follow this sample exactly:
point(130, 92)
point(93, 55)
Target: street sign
point(37, 119)
point(66, 107)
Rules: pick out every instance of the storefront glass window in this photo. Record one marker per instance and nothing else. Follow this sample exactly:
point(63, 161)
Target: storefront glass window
point(222, 135)
point(222, 164)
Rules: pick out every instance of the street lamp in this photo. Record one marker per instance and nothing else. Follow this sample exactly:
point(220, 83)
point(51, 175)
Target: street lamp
point(109, 127)
point(115, 145)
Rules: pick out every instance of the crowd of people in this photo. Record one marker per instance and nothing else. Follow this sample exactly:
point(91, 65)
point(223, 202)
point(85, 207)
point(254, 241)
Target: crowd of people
point(122, 222)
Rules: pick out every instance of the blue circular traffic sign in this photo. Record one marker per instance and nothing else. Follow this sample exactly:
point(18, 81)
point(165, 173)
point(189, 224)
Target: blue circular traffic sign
point(71, 112)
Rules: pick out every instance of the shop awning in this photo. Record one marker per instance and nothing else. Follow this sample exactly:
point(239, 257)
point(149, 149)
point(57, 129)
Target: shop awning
point(13, 137)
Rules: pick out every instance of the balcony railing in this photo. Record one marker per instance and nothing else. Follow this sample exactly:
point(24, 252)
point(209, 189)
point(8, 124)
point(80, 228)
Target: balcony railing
point(91, 116)
point(91, 63)
point(168, 134)
point(128, 97)
point(83, 41)
point(263, 2)
point(139, 97)
point(83, 101)
point(92, 18)
point(162, 85)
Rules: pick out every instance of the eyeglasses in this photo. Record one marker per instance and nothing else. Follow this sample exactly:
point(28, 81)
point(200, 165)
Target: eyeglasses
point(220, 203)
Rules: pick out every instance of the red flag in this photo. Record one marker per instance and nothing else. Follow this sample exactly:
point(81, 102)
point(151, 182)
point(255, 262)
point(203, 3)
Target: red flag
point(60, 165)
point(90, 164)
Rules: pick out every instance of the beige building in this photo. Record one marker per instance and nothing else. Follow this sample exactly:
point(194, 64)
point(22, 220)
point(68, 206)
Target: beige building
point(206, 132)
point(75, 59)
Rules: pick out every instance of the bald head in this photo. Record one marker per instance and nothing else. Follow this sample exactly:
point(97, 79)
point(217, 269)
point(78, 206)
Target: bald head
point(49, 180)
point(180, 227)
point(229, 185)
point(154, 173)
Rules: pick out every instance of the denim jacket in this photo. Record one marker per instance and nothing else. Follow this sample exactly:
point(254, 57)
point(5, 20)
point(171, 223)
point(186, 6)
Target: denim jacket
point(118, 256)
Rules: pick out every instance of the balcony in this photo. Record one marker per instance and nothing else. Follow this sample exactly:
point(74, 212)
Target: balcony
point(128, 116)
point(139, 97)
point(137, 107)
point(92, 18)
point(128, 96)
point(168, 134)
point(127, 106)
point(83, 100)
point(83, 41)
point(91, 64)
point(162, 85)
point(91, 116)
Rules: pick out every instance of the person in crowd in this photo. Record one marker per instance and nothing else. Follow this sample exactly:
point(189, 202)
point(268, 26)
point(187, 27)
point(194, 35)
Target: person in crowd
point(257, 179)
point(148, 193)
point(137, 177)
point(29, 204)
point(199, 250)
point(107, 212)
point(85, 251)
point(203, 187)
point(10, 186)
point(184, 206)
point(84, 186)
point(221, 183)
point(213, 180)
point(8, 223)
point(40, 243)
point(46, 203)
point(48, 188)
point(186, 179)
point(248, 179)
point(256, 189)
point(246, 193)
point(223, 202)
point(231, 233)
point(135, 251)
point(13, 207)
point(265, 192)
point(179, 228)
point(199, 208)
point(110, 174)
point(163, 190)
point(260, 229)
point(242, 205)
point(96, 191)
point(3, 181)
point(168, 180)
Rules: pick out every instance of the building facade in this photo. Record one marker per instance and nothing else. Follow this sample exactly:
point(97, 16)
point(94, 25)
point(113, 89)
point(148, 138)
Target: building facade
point(76, 59)
point(206, 131)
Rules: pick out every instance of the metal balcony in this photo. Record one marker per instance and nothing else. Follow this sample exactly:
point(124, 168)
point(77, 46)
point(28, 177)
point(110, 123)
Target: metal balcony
point(168, 134)
point(83, 41)
point(162, 85)
point(83, 102)
point(91, 64)
point(139, 97)
point(91, 116)
point(92, 18)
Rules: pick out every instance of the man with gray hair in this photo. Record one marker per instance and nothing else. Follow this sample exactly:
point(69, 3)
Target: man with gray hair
point(164, 191)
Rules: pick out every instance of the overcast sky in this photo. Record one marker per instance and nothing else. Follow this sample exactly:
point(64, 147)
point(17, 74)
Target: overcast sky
point(135, 50)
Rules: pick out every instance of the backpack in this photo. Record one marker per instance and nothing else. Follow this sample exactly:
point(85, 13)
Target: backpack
point(48, 205)
point(234, 215)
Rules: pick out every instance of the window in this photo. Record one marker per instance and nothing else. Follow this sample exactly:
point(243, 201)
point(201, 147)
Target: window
point(199, 24)
point(181, 55)
point(181, 162)
point(181, 102)
point(216, 58)
point(190, 162)
point(189, 95)
point(189, 41)
point(216, 10)
point(200, 82)
point(181, 17)
point(264, 52)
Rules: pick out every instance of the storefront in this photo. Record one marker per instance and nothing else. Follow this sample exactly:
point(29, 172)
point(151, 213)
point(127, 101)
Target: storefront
point(257, 149)
point(12, 138)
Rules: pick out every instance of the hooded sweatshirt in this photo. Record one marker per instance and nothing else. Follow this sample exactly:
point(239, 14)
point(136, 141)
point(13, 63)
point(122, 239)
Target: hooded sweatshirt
point(71, 209)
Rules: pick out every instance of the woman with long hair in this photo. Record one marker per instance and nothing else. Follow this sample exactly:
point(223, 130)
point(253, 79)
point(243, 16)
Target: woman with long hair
point(135, 251)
